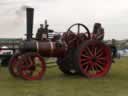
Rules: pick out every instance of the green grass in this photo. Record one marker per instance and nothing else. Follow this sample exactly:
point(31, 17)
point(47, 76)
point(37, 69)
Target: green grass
point(55, 83)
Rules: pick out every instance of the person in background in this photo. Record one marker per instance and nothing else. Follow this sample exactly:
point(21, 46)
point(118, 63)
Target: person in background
point(113, 48)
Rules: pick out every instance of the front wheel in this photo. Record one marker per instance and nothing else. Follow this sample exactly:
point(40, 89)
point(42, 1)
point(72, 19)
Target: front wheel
point(29, 66)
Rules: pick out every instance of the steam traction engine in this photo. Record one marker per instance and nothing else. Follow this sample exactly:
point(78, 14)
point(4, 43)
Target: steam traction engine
point(79, 52)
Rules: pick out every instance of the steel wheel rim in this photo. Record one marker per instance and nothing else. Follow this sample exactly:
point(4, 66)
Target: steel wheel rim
point(95, 59)
point(28, 70)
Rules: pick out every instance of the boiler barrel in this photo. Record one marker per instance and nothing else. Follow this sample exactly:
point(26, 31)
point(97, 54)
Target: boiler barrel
point(45, 48)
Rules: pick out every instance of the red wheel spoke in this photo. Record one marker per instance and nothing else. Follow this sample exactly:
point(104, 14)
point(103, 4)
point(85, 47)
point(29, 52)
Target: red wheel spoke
point(18, 62)
point(95, 52)
point(86, 53)
point(86, 68)
point(100, 54)
point(85, 63)
point(98, 65)
point(99, 51)
point(92, 67)
point(83, 55)
point(90, 52)
point(25, 59)
point(83, 52)
point(30, 61)
point(100, 62)
point(88, 62)
point(96, 68)
point(24, 68)
point(85, 59)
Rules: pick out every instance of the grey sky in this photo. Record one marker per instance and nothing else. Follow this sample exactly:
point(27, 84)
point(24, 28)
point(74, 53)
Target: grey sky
point(113, 14)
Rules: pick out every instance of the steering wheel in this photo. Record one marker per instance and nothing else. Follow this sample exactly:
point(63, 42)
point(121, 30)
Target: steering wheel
point(71, 36)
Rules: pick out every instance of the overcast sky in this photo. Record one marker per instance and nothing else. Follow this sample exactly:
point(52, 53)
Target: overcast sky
point(113, 14)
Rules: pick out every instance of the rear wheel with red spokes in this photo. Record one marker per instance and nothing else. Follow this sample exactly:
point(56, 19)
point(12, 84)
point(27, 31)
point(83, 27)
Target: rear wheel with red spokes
point(93, 59)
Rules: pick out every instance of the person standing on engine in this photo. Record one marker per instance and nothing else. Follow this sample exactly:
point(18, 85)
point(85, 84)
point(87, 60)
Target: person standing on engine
point(42, 33)
point(98, 32)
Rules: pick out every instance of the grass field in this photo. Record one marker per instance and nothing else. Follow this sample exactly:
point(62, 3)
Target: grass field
point(55, 83)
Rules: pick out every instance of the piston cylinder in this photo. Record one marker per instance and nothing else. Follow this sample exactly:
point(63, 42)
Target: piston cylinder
point(45, 48)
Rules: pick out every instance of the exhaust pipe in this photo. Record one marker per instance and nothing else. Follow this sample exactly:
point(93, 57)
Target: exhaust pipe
point(29, 21)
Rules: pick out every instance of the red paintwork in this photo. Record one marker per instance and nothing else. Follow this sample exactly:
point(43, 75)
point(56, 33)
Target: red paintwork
point(28, 66)
point(95, 59)
point(13, 66)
